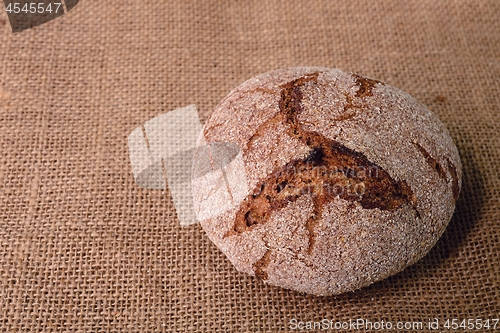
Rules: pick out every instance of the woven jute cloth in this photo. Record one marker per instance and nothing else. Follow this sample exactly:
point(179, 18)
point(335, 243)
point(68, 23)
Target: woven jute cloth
point(84, 249)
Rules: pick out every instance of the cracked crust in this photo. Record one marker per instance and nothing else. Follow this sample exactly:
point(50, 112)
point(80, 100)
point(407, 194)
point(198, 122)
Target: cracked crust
point(304, 132)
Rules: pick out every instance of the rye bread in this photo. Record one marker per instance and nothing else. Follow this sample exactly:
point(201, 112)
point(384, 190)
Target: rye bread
point(350, 180)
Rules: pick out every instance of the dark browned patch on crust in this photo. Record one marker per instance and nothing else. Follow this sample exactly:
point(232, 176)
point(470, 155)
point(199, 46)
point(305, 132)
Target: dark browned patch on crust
point(365, 85)
point(455, 187)
point(260, 265)
point(349, 102)
point(265, 127)
point(433, 163)
point(262, 90)
point(345, 116)
point(348, 114)
point(330, 170)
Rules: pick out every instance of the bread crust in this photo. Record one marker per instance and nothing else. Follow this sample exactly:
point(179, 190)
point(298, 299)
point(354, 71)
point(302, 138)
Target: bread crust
point(305, 131)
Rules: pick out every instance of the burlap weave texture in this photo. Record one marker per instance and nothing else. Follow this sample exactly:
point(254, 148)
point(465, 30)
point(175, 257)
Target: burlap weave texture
point(84, 249)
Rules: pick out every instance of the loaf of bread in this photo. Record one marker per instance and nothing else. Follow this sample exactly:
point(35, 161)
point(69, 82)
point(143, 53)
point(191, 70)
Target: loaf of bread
point(348, 180)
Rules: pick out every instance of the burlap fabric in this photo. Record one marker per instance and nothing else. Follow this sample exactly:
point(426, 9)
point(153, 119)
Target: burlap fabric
point(84, 249)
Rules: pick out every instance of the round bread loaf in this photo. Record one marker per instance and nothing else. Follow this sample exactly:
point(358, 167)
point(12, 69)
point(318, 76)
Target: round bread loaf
point(346, 180)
